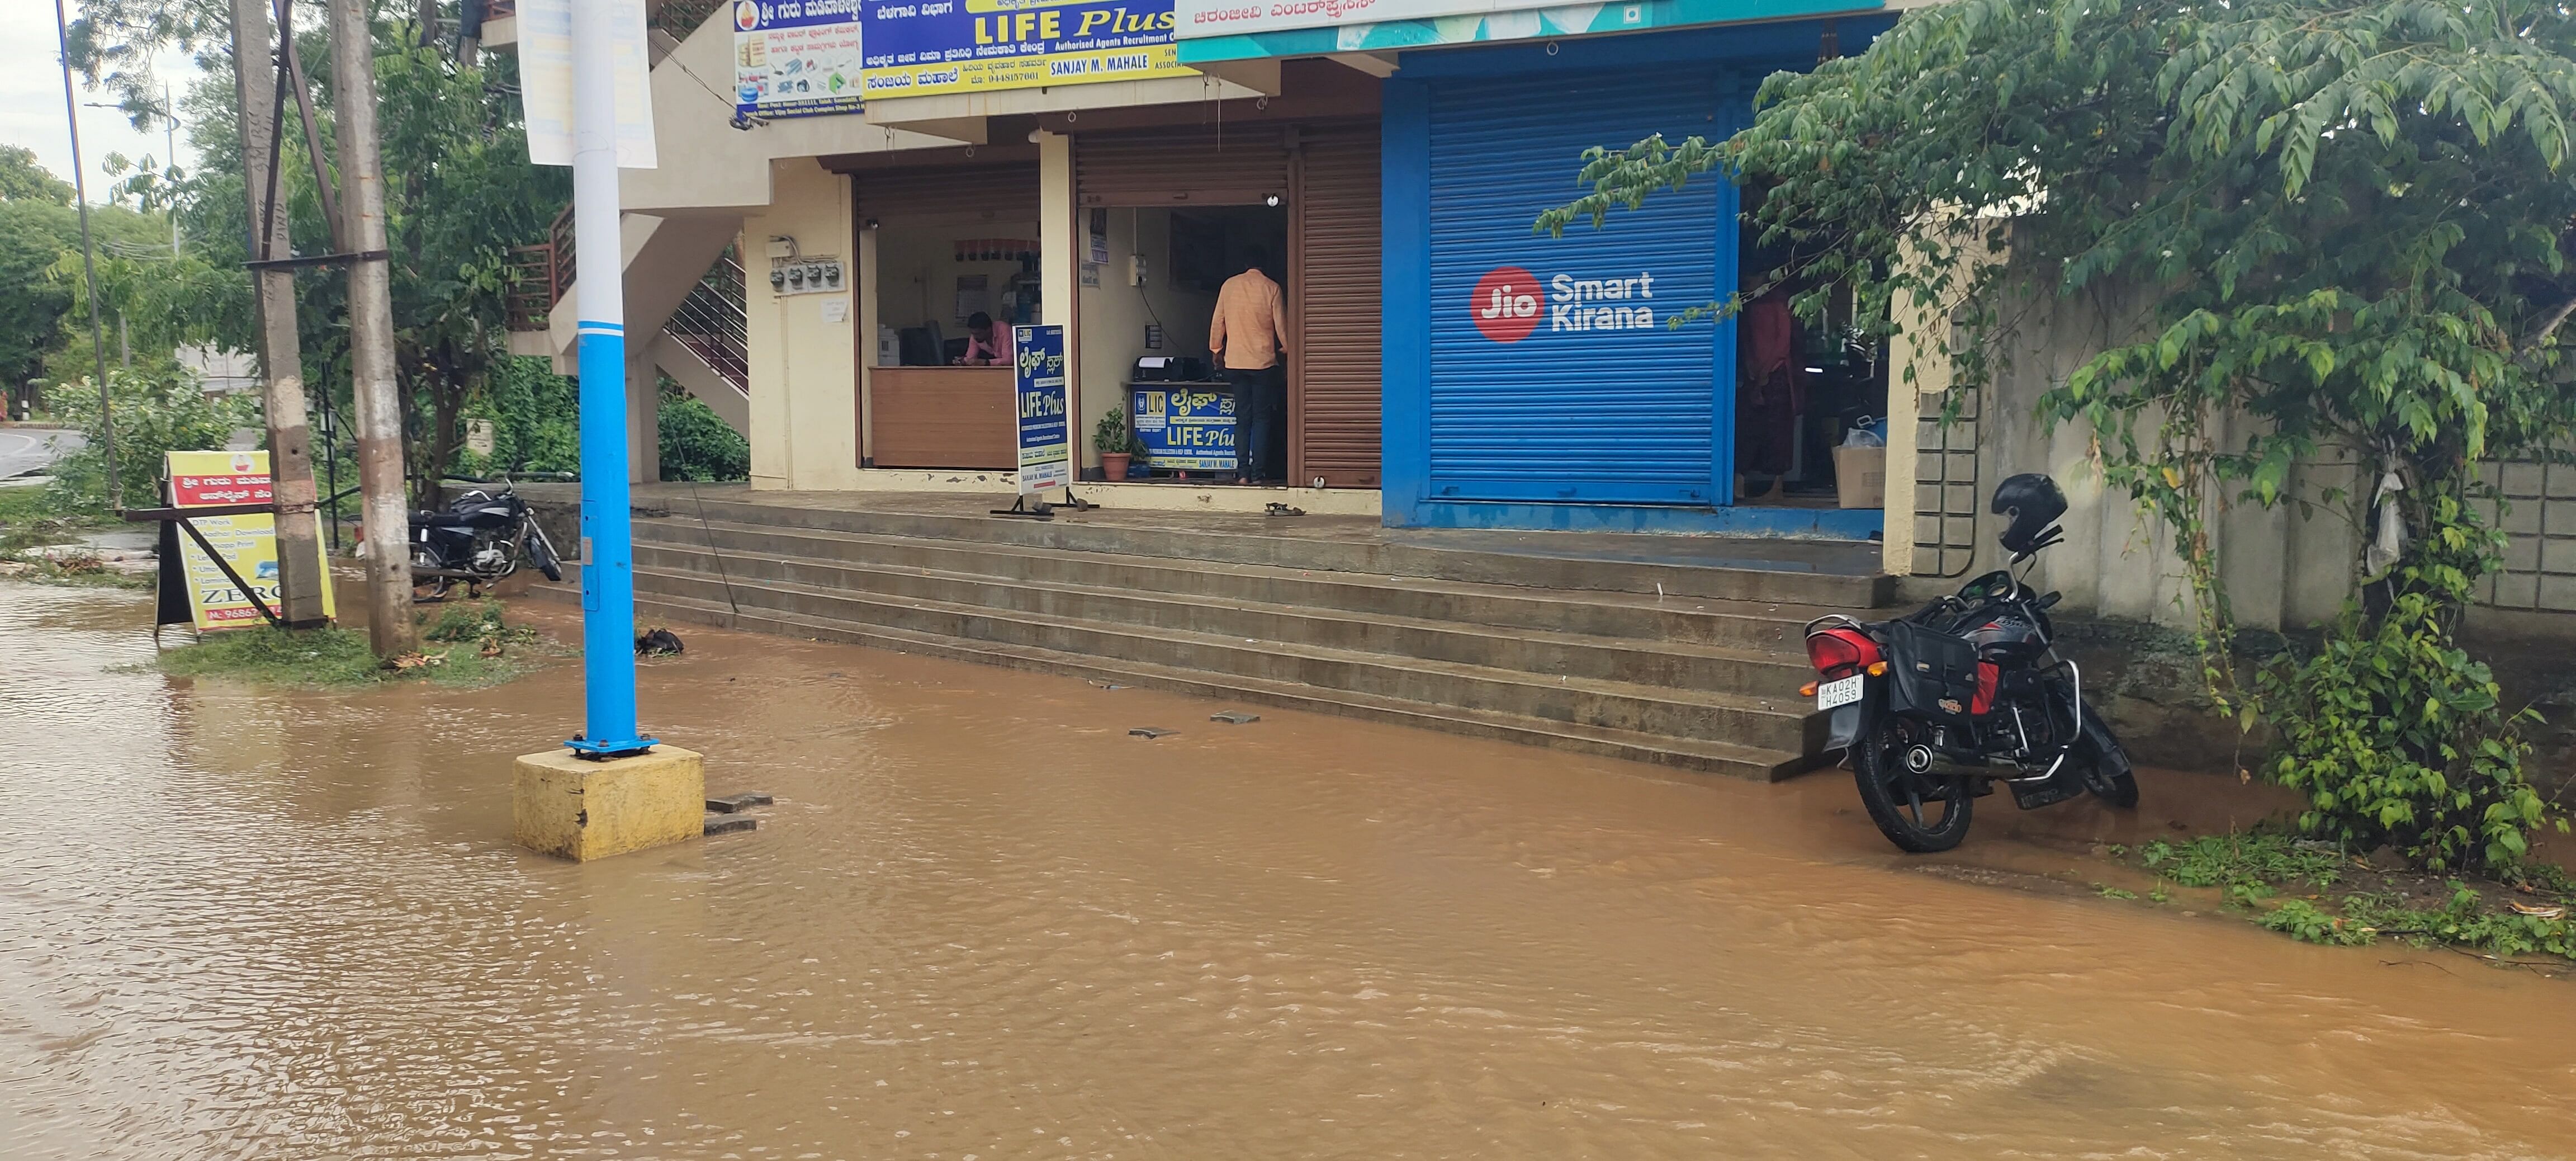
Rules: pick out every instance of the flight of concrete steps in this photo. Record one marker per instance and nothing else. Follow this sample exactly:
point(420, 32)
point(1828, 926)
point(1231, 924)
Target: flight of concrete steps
point(1580, 654)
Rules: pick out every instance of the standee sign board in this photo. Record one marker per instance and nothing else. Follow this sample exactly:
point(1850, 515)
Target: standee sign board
point(1045, 397)
point(920, 48)
point(219, 479)
point(1189, 429)
point(796, 58)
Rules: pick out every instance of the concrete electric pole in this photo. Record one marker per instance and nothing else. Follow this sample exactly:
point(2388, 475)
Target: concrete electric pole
point(281, 357)
point(387, 512)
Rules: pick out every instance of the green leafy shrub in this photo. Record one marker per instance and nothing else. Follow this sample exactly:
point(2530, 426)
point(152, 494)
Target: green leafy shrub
point(2395, 735)
point(697, 445)
point(155, 412)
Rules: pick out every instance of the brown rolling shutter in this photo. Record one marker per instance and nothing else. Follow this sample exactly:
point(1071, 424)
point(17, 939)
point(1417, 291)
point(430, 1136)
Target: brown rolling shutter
point(1210, 165)
point(1336, 356)
point(1007, 190)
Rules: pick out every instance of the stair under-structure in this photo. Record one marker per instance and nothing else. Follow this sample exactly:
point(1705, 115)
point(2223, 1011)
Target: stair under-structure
point(1613, 646)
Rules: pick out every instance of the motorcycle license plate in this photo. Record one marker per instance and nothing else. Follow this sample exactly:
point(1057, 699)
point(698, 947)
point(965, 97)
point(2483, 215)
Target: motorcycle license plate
point(1840, 693)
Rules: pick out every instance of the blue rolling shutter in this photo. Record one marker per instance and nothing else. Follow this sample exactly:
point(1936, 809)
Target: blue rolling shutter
point(1573, 388)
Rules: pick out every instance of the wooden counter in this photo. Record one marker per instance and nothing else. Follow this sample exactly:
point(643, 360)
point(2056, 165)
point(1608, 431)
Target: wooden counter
point(943, 417)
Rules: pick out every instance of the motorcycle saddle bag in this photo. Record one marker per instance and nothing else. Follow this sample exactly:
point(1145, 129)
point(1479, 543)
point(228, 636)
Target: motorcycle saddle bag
point(1930, 672)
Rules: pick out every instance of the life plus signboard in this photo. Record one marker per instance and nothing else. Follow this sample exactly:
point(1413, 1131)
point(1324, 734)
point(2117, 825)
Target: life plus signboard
point(1189, 429)
point(796, 58)
point(920, 48)
point(1045, 408)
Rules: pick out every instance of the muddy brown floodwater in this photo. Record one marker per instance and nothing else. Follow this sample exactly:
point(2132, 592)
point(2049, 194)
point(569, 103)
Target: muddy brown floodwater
point(983, 922)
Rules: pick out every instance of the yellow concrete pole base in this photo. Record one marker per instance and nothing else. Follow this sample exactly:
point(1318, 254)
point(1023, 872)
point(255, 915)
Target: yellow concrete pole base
point(578, 809)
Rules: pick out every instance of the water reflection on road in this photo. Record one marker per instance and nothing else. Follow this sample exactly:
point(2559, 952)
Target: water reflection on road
point(983, 922)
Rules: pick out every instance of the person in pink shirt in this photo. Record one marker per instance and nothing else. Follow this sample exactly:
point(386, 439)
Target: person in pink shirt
point(988, 343)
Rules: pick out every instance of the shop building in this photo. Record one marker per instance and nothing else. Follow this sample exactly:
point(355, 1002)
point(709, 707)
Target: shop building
point(1538, 382)
point(1085, 180)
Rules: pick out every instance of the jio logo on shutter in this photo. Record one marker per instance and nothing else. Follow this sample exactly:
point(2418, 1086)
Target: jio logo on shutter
point(1505, 304)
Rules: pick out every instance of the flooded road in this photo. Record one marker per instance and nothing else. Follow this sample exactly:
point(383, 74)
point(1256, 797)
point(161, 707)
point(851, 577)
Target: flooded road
point(982, 922)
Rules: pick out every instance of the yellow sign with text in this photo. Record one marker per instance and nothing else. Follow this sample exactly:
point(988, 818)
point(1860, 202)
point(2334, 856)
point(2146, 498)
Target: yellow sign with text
point(248, 542)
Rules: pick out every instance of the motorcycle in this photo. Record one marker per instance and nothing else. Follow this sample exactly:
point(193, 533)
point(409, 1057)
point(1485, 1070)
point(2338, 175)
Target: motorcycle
point(1935, 707)
point(481, 537)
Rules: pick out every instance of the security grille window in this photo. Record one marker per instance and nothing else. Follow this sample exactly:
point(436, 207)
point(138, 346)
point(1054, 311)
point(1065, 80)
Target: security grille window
point(2539, 520)
point(1945, 485)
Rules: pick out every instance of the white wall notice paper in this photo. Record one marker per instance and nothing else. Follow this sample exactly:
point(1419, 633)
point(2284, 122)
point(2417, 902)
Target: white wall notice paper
point(836, 309)
point(545, 82)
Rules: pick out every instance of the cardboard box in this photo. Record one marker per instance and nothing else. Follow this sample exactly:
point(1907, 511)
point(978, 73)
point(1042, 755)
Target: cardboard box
point(1860, 476)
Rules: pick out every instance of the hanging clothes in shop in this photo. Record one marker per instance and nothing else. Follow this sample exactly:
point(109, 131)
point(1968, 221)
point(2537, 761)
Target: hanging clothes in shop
point(1770, 387)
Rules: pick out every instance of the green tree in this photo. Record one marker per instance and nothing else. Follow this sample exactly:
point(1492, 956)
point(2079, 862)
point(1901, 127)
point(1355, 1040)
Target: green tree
point(2355, 219)
point(462, 195)
point(33, 236)
point(23, 179)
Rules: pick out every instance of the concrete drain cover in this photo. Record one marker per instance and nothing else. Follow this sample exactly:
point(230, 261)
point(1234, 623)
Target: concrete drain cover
point(1150, 732)
point(729, 823)
point(737, 803)
point(1235, 718)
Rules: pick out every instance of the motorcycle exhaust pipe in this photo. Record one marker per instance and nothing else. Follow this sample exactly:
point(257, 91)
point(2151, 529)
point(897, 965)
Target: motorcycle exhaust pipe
point(1918, 759)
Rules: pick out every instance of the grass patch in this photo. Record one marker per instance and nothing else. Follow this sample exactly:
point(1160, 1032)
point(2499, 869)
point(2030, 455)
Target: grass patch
point(464, 645)
point(32, 517)
point(2340, 900)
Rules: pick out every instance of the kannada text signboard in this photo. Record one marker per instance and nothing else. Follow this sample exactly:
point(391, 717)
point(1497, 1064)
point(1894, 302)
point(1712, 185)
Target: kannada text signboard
point(1186, 429)
point(1045, 408)
point(217, 479)
point(796, 58)
point(920, 48)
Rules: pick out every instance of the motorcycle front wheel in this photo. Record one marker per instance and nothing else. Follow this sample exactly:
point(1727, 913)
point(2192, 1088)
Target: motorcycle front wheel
point(543, 554)
point(1920, 813)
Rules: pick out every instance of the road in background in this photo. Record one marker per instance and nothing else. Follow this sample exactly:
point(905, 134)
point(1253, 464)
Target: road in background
point(26, 450)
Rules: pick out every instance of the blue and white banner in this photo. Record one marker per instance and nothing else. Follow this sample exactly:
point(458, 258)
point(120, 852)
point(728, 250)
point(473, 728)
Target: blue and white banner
point(919, 48)
point(1045, 395)
point(796, 58)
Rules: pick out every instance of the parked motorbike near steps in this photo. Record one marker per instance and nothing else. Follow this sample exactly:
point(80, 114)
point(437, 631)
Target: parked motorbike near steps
point(481, 537)
point(1935, 707)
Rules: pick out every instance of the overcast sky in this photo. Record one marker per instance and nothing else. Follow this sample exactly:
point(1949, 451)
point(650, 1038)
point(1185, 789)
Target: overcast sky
point(31, 99)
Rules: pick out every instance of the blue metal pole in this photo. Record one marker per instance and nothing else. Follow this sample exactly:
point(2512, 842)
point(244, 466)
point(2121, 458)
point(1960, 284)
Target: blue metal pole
point(608, 551)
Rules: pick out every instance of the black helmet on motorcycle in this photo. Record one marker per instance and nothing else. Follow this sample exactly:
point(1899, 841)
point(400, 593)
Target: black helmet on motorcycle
point(2031, 503)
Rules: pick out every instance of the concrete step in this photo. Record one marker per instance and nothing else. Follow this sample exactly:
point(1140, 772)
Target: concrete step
point(1597, 613)
point(1780, 723)
point(1769, 573)
point(1546, 653)
point(1715, 757)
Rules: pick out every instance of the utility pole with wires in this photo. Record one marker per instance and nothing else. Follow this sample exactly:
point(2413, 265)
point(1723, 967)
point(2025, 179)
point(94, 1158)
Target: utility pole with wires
point(371, 334)
point(89, 261)
point(259, 80)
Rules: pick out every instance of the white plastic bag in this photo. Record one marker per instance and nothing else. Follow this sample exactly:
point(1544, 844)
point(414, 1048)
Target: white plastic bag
point(1861, 435)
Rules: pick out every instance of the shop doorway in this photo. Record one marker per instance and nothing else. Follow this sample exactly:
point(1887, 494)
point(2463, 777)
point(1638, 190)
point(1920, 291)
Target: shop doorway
point(1810, 396)
point(1150, 285)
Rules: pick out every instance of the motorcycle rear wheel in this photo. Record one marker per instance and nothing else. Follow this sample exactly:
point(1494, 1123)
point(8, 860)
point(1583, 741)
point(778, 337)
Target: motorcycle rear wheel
point(1921, 814)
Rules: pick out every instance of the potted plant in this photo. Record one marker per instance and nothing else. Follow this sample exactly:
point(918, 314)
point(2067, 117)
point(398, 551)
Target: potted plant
point(1115, 443)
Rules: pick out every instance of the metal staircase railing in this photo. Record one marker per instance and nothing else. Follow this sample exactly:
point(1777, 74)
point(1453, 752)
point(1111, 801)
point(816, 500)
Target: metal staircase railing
point(711, 323)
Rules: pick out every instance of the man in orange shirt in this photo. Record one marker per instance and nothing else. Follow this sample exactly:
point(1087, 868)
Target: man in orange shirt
point(1247, 336)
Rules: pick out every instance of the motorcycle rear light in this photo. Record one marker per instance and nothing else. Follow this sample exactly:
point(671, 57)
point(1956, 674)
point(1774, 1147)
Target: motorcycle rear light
point(1839, 653)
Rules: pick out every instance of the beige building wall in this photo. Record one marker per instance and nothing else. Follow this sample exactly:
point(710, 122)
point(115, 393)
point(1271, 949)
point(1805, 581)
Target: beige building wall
point(804, 363)
point(2281, 568)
